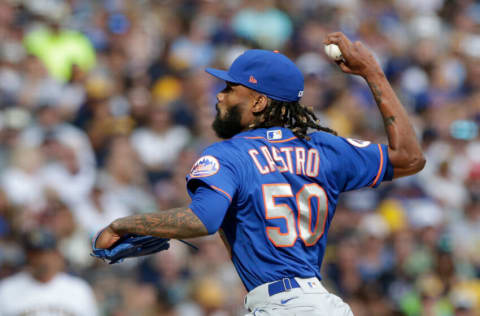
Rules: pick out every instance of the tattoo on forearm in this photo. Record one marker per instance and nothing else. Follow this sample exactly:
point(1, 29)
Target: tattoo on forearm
point(389, 120)
point(377, 93)
point(174, 223)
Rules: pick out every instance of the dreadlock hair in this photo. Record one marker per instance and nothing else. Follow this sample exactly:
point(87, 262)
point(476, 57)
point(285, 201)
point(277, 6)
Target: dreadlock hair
point(291, 115)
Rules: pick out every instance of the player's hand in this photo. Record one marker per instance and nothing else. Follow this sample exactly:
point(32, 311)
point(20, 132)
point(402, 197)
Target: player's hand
point(107, 238)
point(357, 58)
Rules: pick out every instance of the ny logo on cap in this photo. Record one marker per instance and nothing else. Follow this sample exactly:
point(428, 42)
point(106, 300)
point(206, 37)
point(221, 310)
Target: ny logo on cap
point(252, 79)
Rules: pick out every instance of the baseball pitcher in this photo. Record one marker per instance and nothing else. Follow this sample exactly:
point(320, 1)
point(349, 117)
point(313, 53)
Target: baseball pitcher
point(271, 188)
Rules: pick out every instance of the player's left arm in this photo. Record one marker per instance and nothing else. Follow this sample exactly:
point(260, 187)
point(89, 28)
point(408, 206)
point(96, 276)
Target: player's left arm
point(174, 223)
point(404, 151)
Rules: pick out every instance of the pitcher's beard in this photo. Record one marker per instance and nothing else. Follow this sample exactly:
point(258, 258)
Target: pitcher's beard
point(228, 126)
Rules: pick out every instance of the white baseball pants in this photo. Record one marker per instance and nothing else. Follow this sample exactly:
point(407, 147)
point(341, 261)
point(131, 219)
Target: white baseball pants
point(310, 298)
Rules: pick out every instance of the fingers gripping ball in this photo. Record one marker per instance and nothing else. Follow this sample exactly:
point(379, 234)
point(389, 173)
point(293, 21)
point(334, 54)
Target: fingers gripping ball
point(333, 51)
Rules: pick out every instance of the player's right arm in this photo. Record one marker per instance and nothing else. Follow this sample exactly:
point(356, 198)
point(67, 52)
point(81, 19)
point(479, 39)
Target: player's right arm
point(404, 151)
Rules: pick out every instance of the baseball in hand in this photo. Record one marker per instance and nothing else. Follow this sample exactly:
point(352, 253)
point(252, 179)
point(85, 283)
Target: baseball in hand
point(333, 51)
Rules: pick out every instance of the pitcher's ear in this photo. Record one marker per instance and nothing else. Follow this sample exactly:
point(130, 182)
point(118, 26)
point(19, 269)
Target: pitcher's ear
point(260, 103)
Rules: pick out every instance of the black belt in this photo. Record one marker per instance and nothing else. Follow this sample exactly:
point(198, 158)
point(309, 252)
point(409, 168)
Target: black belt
point(282, 285)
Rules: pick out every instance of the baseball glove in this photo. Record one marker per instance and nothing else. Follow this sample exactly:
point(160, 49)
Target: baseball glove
point(130, 246)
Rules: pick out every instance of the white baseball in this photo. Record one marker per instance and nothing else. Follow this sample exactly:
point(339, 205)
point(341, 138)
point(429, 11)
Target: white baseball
point(333, 51)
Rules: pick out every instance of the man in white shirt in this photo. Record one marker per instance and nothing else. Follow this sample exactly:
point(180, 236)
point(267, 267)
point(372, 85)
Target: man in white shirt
point(159, 144)
point(42, 288)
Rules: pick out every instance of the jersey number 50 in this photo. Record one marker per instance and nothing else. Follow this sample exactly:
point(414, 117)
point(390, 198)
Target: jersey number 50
point(304, 218)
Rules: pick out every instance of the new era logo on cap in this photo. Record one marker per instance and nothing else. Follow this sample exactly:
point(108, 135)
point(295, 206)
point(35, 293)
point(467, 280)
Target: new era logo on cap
point(267, 72)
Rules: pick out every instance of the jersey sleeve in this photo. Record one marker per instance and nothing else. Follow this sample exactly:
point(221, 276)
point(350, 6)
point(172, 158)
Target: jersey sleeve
point(215, 169)
point(210, 207)
point(356, 164)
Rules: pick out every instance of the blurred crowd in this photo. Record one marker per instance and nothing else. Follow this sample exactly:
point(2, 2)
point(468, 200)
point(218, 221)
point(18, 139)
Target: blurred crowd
point(105, 105)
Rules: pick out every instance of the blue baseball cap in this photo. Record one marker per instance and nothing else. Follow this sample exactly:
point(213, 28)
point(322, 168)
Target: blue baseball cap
point(267, 72)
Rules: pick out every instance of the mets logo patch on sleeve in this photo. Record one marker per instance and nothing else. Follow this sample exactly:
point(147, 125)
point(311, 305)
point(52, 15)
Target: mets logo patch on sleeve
point(205, 166)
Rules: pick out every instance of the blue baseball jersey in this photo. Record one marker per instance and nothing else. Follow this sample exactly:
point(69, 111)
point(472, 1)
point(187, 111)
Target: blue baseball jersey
point(273, 196)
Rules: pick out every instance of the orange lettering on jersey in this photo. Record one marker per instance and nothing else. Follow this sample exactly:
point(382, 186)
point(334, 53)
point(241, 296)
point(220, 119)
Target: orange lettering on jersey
point(278, 158)
point(268, 158)
point(288, 156)
point(300, 160)
point(263, 169)
point(313, 162)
